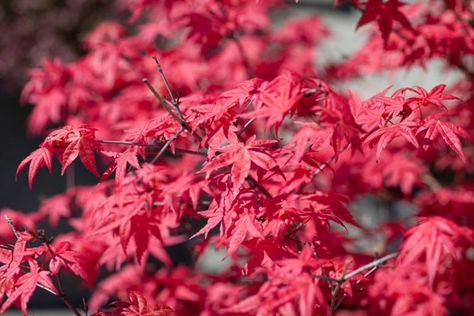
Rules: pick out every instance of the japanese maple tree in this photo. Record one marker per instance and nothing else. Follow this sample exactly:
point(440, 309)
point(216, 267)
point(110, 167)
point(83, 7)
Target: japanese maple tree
point(206, 124)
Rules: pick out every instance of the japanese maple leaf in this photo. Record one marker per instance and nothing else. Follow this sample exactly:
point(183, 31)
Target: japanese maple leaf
point(401, 170)
point(448, 131)
point(240, 156)
point(242, 92)
point(433, 97)
point(120, 163)
point(77, 142)
point(384, 13)
point(433, 241)
point(13, 259)
point(81, 265)
point(82, 145)
point(139, 307)
point(284, 289)
point(335, 203)
point(279, 97)
point(403, 291)
point(134, 220)
point(26, 285)
point(47, 90)
point(214, 218)
point(310, 134)
point(385, 135)
point(40, 157)
point(244, 226)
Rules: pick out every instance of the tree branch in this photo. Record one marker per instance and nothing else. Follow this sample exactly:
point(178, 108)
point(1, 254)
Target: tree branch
point(174, 100)
point(12, 227)
point(167, 144)
point(336, 290)
point(162, 101)
point(243, 55)
point(373, 264)
point(61, 294)
point(376, 263)
point(163, 77)
point(127, 143)
point(184, 126)
point(166, 106)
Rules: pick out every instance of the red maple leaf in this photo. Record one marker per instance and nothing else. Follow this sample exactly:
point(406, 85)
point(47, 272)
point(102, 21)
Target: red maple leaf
point(120, 163)
point(277, 98)
point(82, 265)
point(310, 135)
point(433, 97)
point(434, 127)
point(434, 241)
point(385, 135)
point(133, 221)
point(384, 12)
point(244, 226)
point(241, 156)
point(139, 307)
point(26, 284)
point(81, 143)
point(40, 157)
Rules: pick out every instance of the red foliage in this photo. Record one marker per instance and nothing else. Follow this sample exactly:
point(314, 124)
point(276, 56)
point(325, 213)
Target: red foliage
point(237, 141)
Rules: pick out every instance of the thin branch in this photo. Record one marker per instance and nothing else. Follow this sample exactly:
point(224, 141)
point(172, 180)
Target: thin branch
point(167, 144)
point(167, 107)
point(376, 263)
point(71, 176)
point(373, 264)
point(325, 164)
point(174, 100)
point(253, 183)
point(192, 152)
point(162, 101)
point(84, 307)
point(167, 85)
point(243, 55)
point(12, 227)
point(311, 91)
point(120, 142)
point(335, 293)
point(339, 302)
point(325, 278)
point(69, 305)
point(127, 143)
point(61, 294)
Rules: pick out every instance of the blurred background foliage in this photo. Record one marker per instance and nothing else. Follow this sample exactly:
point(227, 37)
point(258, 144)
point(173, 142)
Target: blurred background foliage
point(35, 29)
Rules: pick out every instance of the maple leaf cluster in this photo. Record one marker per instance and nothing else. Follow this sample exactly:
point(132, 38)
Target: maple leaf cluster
point(217, 128)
